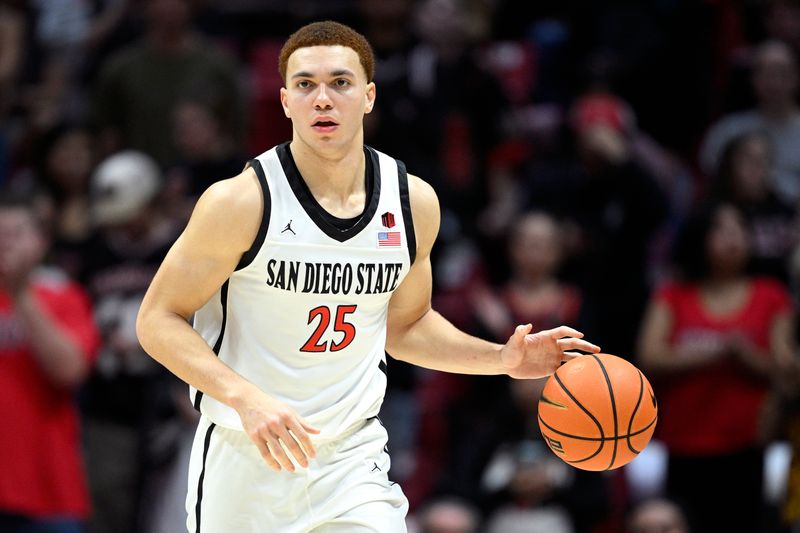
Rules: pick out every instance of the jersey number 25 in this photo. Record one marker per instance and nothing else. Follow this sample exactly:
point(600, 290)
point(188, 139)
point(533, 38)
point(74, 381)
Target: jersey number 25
point(340, 325)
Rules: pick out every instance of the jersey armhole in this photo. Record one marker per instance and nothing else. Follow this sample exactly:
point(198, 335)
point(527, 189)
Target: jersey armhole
point(250, 254)
point(405, 205)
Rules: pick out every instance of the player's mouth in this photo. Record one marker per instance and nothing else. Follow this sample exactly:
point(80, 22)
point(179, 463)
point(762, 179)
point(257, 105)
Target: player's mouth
point(324, 125)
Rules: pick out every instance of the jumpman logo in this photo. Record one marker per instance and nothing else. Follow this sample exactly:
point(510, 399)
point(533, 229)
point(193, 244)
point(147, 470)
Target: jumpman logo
point(289, 228)
point(376, 467)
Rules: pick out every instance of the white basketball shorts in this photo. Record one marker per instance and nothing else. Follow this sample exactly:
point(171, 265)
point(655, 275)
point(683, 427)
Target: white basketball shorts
point(345, 489)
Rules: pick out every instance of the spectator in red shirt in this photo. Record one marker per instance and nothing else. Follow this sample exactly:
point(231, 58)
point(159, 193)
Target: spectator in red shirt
point(714, 344)
point(47, 341)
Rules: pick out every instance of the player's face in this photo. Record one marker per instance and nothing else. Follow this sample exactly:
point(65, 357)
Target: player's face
point(327, 95)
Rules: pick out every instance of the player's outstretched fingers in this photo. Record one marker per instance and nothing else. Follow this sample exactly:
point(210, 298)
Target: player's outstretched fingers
point(300, 430)
point(565, 331)
point(291, 444)
point(569, 356)
point(279, 453)
point(571, 343)
point(266, 455)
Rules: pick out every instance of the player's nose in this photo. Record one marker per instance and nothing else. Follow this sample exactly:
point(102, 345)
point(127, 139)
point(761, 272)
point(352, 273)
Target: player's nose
point(323, 100)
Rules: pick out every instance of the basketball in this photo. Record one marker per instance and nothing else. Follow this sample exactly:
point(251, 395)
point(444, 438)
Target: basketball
point(597, 412)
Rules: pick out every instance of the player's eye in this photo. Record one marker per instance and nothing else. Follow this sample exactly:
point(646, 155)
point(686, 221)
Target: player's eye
point(341, 82)
point(304, 84)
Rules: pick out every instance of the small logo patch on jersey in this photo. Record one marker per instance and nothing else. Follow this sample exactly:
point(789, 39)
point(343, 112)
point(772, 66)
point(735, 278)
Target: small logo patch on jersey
point(388, 238)
point(288, 228)
point(388, 219)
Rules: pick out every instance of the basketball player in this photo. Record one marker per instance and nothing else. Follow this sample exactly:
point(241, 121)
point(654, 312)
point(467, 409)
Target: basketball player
point(302, 272)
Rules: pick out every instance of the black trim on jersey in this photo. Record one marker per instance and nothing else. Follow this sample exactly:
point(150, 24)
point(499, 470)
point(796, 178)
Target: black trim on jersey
point(250, 254)
point(383, 368)
point(405, 205)
point(346, 223)
point(342, 223)
point(223, 296)
point(312, 207)
point(385, 446)
point(206, 446)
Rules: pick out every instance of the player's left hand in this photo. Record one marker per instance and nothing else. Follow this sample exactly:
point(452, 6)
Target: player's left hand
point(529, 355)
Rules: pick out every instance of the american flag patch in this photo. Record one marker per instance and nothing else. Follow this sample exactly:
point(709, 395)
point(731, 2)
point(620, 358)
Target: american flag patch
point(388, 238)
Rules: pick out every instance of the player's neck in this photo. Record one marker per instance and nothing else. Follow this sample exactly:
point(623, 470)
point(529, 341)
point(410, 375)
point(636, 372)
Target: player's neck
point(337, 174)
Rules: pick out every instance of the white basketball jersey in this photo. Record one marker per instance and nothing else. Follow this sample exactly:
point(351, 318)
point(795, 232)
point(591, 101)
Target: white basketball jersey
point(303, 316)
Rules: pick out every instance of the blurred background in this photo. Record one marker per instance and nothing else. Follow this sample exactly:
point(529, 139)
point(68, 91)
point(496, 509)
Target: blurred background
point(628, 167)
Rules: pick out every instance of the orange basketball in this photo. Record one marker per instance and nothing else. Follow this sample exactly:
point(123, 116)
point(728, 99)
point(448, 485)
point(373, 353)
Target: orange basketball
point(597, 412)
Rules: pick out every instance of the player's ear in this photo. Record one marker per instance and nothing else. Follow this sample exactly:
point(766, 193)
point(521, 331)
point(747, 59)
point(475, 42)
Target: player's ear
point(284, 96)
point(370, 96)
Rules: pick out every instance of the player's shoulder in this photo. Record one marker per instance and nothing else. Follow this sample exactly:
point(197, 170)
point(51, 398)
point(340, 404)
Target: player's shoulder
point(424, 210)
point(239, 192)
point(231, 208)
point(423, 197)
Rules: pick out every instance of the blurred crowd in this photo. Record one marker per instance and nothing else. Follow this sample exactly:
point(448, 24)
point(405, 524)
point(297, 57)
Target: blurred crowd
point(627, 167)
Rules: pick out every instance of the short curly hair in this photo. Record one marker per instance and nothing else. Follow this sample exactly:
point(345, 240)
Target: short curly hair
point(328, 33)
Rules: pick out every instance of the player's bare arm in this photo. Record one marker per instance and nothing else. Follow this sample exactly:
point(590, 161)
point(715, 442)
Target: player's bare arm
point(419, 335)
point(221, 229)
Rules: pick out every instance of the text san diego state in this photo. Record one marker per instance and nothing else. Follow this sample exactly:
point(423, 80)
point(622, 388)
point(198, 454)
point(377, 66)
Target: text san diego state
point(333, 278)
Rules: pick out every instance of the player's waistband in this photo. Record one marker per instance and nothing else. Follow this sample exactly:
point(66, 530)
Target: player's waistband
point(343, 435)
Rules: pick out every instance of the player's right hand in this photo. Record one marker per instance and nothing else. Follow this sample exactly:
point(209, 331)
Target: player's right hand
point(278, 431)
point(529, 355)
